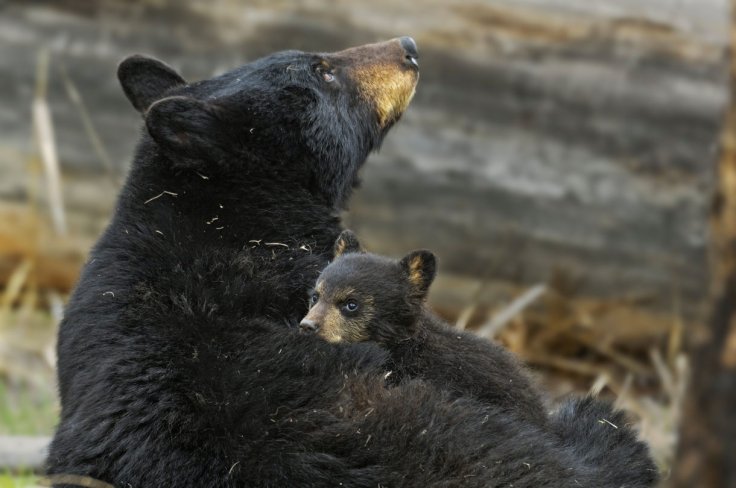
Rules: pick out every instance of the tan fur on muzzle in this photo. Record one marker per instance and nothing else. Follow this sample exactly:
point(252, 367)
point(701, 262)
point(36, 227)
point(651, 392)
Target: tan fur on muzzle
point(383, 77)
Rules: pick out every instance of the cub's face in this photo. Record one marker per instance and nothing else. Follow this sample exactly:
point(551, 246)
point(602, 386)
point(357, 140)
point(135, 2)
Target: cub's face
point(366, 297)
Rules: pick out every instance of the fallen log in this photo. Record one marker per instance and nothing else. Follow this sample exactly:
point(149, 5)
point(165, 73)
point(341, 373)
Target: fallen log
point(22, 454)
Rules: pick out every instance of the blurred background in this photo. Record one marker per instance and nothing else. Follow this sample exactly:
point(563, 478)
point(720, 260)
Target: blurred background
point(558, 157)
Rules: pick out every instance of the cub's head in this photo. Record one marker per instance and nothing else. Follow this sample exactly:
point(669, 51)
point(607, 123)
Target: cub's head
point(366, 297)
point(313, 117)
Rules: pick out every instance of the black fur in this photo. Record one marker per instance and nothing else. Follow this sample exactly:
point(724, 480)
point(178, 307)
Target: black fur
point(422, 346)
point(145, 80)
point(346, 242)
point(600, 436)
point(420, 343)
point(177, 363)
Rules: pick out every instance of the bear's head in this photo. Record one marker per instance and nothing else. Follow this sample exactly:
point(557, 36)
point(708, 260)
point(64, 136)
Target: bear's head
point(366, 297)
point(309, 117)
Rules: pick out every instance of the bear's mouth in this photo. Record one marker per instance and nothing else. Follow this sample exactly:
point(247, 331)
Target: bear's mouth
point(386, 75)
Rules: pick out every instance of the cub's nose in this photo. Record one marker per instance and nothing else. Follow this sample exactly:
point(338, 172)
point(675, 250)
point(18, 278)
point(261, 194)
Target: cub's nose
point(308, 326)
point(410, 47)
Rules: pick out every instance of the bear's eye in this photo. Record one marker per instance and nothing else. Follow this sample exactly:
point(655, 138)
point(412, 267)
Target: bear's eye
point(325, 73)
point(350, 306)
point(314, 298)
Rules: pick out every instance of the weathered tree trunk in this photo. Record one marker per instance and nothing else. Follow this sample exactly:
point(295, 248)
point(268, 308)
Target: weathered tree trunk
point(707, 451)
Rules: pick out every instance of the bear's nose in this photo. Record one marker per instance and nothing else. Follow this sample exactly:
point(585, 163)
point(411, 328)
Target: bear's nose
point(308, 326)
point(410, 47)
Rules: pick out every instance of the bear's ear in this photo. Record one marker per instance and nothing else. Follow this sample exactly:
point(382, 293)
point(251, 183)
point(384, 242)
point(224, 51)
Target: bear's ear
point(145, 80)
point(420, 268)
point(347, 242)
point(186, 128)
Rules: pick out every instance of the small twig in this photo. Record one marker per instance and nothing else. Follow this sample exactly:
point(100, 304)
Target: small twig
point(564, 364)
point(664, 373)
point(675, 339)
point(606, 421)
point(74, 480)
point(47, 146)
point(598, 385)
point(623, 394)
point(160, 195)
point(94, 137)
point(499, 320)
point(462, 321)
point(627, 362)
point(13, 288)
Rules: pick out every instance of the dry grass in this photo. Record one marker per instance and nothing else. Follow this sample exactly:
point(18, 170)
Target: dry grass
point(614, 348)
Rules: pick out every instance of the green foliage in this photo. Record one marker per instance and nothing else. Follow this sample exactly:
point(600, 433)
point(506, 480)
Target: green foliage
point(20, 481)
point(26, 412)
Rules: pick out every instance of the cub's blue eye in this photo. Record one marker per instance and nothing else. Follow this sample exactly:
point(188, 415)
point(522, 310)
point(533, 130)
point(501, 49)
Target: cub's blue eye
point(351, 306)
point(314, 298)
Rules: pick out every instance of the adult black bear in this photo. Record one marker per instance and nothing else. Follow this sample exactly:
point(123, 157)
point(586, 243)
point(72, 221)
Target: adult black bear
point(177, 365)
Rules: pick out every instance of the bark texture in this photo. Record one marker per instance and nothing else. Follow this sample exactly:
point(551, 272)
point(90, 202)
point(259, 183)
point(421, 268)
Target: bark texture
point(707, 450)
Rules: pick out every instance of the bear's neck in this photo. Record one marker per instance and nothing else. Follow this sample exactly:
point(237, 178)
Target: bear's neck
point(224, 208)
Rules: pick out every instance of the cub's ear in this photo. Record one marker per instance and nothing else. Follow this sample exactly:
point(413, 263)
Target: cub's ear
point(187, 128)
point(145, 80)
point(420, 268)
point(347, 242)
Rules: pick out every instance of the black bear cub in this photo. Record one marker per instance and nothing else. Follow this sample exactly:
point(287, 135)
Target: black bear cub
point(366, 297)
